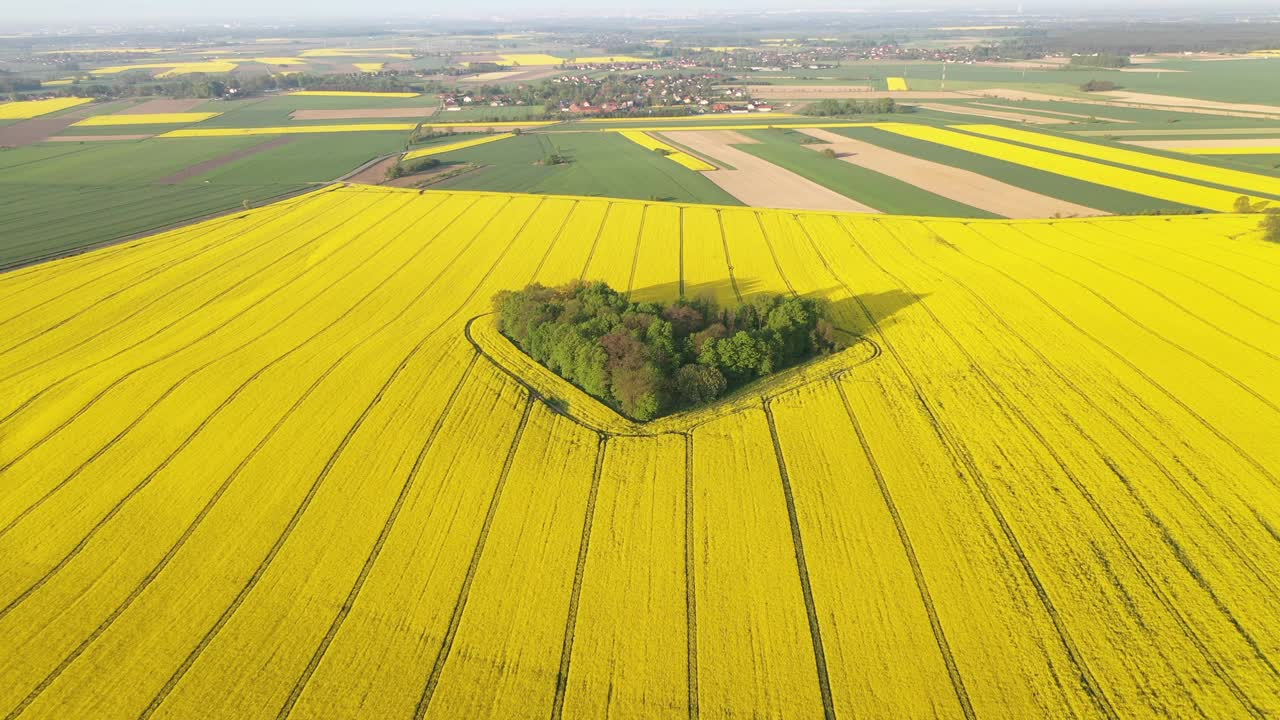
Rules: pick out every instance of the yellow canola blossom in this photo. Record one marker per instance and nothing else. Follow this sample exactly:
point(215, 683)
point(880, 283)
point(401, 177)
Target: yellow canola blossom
point(896, 83)
point(26, 109)
point(672, 153)
point(57, 83)
point(289, 130)
point(171, 69)
point(450, 147)
point(531, 59)
point(369, 67)
point(147, 119)
point(280, 60)
point(1252, 182)
point(283, 463)
point(354, 93)
point(1097, 173)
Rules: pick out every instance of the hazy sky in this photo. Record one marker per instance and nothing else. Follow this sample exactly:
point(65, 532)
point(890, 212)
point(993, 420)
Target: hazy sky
point(73, 11)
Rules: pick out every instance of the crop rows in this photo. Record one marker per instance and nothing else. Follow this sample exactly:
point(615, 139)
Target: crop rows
point(262, 466)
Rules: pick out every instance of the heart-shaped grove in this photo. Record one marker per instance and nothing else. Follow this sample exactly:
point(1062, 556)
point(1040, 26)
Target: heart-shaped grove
point(767, 347)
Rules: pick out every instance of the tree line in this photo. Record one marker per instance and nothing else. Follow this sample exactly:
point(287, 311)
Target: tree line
point(649, 359)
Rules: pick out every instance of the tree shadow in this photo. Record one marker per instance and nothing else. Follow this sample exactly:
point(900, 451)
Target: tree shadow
point(854, 315)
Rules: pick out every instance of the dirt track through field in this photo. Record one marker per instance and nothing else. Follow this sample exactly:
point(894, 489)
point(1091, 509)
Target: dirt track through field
point(758, 182)
point(208, 165)
point(361, 114)
point(162, 106)
point(953, 183)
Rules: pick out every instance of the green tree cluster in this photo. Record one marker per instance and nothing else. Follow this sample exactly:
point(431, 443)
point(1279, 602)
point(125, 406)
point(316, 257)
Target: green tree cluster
point(831, 107)
point(648, 359)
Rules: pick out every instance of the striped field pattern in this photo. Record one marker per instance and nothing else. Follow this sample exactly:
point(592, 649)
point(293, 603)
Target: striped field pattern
point(280, 464)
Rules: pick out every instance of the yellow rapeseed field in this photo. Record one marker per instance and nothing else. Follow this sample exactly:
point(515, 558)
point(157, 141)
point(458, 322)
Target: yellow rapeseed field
point(896, 83)
point(281, 464)
point(450, 147)
point(1252, 182)
point(147, 119)
point(531, 59)
point(672, 153)
point(26, 109)
point(1121, 178)
point(171, 69)
point(369, 66)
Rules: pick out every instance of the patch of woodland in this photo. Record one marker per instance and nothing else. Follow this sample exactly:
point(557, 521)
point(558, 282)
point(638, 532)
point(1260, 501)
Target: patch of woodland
point(831, 107)
point(647, 359)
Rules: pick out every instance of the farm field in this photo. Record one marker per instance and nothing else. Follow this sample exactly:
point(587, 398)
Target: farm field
point(600, 164)
point(280, 463)
point(60, 197)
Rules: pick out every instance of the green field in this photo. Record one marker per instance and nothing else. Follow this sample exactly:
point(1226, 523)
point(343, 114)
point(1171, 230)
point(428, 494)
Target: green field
point(302, 159)
point(785, 149)
point(1250, 81)
point(601, 164)
point(274, 110)
point(63, 197)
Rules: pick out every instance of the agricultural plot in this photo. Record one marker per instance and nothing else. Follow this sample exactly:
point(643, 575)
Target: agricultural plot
point(597, 164)
point(281, 464)
point(452, 146)
point(60, 197)
point(26, 109)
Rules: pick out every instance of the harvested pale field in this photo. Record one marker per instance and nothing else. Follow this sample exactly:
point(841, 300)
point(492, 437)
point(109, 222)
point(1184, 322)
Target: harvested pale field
point(1057, 113)
point(1150, 70)
point(361, 113)
point(215, 163)
point(1192, 107)
point(993, 114)
point(1207, 144)
point(187, 118)
point(1180, 102)
point(1178, 131)
point(963, 186)
point(758, 182)
point(91, 138)
point(156, 107)
point(281, 464)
